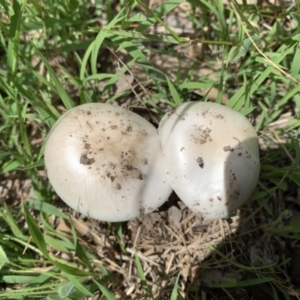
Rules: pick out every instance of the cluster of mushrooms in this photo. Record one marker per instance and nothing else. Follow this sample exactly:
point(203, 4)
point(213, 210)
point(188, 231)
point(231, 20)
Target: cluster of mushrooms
point(113, 165)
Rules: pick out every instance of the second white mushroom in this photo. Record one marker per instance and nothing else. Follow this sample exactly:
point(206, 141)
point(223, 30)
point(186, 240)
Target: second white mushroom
point(210, 156)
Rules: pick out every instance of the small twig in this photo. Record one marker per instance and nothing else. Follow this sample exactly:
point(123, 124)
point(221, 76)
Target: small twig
point(142, 257)
point(170, 263)
point(283, 146)
point(134, 247)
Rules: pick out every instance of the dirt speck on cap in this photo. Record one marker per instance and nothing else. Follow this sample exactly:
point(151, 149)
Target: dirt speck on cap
point(202, 135)
point(219, 116)
point(228, 149)
point(200, 162)
point(85, 160)
point(87, 146)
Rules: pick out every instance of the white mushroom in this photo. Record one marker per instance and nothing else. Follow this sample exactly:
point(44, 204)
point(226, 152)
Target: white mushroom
point(210, 156)
point(106, 162)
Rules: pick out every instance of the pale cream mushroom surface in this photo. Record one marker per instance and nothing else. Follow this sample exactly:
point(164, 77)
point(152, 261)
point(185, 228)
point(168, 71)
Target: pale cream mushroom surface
point(106, 162)
point(210, 156)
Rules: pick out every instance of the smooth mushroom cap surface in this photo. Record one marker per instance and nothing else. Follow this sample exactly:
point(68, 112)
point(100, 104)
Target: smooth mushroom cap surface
point(210, 156)
point(106, 162)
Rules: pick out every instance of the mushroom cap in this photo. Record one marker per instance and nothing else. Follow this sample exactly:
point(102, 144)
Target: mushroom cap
point(106, 162)
point(210, 156)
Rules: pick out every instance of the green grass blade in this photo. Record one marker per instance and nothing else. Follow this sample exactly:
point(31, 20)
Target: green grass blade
point(36, 233)
point(79, 286)
point(3, 258)
point(107, 294)
point(58, 88)
point(100, 38)
point(94, 47)
point(142, 276)
point(14, 36)
point(159, 12)
point(174, 93)
point(175, 294)
point(243, 283)
point(46, 208)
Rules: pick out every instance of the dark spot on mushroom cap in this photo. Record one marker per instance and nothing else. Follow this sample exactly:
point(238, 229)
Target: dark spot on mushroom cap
point(202, 135)
point(228, 149)
point(112, 165)
point(132, 172)
point(142, 211)
point(233, 195)
point(181, 117)
point(118, 186)
point(170, 112)
point(205, 112)
point(89, 125)
point(219, 116)
point(85, 160)
point(143, 132)
point(87, 146)
point(200, 162)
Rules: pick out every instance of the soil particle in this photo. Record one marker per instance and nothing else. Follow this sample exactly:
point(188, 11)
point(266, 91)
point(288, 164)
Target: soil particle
point(85, 160)
point(87, 146)
point(228, 149)
point(200, 162)
point(202, 135)
point(219, 116)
